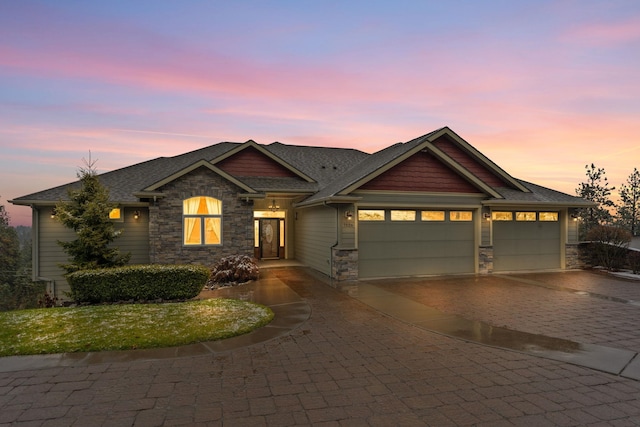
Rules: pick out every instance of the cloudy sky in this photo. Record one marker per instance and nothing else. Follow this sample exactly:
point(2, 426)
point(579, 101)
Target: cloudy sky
point(540, 87)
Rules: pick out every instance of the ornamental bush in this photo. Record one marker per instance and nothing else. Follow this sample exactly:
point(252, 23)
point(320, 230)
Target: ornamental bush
point(137, 283)
point(234, 269)
point(609, 246)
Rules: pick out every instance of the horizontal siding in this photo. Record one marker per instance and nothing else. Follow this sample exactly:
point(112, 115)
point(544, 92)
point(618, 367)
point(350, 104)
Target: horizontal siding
point(471, 164)
point(315, 235)
point(421, 172)
point(134, 239)
point(251, 162)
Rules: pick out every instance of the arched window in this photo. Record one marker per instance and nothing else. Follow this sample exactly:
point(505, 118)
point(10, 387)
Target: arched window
point(202, 221)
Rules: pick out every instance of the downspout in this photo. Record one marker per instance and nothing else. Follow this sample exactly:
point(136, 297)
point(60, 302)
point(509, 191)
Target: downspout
point(335, 244)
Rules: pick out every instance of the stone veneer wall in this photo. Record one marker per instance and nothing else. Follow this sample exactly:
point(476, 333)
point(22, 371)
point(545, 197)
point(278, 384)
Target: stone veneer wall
point(485, 260)
point(165, 221)
point(345, 264)
point(575, 258)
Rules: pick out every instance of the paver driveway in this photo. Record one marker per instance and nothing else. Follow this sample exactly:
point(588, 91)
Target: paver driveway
point(351, 365)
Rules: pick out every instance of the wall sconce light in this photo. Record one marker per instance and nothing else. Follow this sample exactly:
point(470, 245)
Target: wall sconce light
point(348, 215)
point(136, 214)
point(273, 206)
point(574, 216)
point(53, 213)
point(486, 216)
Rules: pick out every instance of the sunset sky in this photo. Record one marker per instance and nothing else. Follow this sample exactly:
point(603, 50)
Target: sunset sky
point(540, 87)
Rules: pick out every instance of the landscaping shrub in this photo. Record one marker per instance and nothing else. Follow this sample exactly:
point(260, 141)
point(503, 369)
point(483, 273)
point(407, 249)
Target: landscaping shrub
point(137, 283)
point(609, 245)
point(634, 261)
point(234, 269)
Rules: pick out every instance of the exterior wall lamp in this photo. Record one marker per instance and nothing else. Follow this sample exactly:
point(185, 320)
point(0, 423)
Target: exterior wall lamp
point(136, 214)
point(348, 215)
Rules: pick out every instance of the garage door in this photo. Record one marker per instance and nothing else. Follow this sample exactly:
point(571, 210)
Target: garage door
point(404, 242)
point(526, 241)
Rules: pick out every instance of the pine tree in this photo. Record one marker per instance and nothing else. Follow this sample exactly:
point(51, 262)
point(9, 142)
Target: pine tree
point(87, 213)
point(597, 190)
point(629, 209)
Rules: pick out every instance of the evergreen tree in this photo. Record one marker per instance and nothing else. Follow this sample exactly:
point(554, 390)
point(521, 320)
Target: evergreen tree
point(596, 189)
point(9, 250)
point(87, 213)
point(629, 209)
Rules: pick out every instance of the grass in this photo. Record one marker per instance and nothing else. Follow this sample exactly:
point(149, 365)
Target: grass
point(126, 326)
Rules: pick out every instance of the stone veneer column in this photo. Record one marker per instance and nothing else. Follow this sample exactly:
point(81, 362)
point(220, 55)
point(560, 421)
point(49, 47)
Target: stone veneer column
point(345, 264)
point(573, 258)
point(485, 260)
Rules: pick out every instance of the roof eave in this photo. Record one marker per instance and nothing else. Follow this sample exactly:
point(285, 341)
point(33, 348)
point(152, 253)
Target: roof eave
point(328, 200)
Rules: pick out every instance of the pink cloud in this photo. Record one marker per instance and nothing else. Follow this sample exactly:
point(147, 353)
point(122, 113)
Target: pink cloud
point(605, 34)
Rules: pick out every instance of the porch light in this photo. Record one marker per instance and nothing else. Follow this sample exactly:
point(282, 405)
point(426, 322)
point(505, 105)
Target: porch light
point(53, 213)
point(136, 214)
point(348, 215)
point(486, 216)
point(273, 206)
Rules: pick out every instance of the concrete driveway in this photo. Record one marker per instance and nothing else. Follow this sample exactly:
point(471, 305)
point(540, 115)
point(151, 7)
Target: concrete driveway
point(350, 364)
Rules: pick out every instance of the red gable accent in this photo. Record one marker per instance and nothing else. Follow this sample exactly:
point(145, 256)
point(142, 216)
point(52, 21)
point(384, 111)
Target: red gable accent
point(251, 162)
point(468, 162)
point(420, 172)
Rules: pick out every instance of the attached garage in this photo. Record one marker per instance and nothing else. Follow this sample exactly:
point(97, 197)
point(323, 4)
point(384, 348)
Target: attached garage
point(526, 240)
point(408, 242)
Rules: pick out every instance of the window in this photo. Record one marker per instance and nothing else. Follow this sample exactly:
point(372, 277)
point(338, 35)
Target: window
point(371, 215)
point(548, 216)
point(403, 215)
point(202, 221)
point(460, 216)
point(115, 213)
point(525, 216)
point(502, 216)
point(432, 215)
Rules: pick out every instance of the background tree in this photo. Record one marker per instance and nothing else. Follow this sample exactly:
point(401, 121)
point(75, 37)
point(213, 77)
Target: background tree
point(629, 209)
point(596, 189)
point(9, 250)
point(87, 213)
point(17, 290)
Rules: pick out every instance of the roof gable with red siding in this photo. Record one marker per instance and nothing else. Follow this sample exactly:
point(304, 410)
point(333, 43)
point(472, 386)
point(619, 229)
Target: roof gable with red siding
point(421, 172)
point(251, 162)
point(453, 150)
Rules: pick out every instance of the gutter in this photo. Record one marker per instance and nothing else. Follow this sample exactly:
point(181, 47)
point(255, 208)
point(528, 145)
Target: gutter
point(335, 244)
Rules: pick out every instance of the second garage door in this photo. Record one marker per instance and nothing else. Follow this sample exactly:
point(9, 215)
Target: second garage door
point(394, 243)
point(526, 241)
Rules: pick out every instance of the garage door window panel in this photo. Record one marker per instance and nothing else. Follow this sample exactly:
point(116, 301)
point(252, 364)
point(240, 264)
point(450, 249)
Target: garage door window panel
point(502, 216)
point(461, 216)
point(403, 215)
point(549, 216)
point(525, 216)
point(432, 216)
point(371, 215)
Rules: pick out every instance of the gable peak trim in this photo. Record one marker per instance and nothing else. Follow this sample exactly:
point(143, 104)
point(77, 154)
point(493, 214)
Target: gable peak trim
point(194, 166)
point(251, 143)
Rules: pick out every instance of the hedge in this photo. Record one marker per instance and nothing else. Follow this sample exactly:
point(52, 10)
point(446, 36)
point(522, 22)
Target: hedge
point(138, 283)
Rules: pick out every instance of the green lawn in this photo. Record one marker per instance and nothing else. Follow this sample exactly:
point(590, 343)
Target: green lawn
point(126, 326)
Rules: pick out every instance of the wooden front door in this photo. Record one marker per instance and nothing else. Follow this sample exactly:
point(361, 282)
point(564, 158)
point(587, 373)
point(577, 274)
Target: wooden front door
point(269, 238)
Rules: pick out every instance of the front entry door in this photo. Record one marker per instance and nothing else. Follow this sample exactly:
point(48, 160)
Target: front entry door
point(269, 238)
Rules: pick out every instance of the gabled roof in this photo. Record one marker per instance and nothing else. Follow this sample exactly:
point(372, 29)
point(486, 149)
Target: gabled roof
point(384, 160)
point(191, 168)
point(320, 173)
point(252, 144)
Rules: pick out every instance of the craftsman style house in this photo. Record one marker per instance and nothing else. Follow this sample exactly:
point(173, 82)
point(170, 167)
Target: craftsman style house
point(433, 205)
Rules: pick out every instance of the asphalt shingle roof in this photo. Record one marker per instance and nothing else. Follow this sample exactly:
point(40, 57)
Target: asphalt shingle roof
point(332, 169)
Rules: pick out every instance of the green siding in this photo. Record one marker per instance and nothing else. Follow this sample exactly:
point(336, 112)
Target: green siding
point(315, 235)
point(49, 255)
